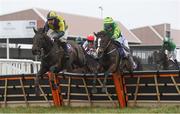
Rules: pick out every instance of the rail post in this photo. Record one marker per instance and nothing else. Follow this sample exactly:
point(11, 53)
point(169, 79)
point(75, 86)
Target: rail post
point(57, 99)
point(119, 89)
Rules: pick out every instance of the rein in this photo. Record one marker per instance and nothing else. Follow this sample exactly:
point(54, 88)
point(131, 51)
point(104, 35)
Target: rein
point(46, 55)
point(113, 50)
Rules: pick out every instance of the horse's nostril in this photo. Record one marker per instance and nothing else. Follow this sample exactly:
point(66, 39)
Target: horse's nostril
point(35, 51)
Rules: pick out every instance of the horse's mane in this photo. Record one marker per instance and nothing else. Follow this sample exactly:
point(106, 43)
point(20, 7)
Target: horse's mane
point(102, 33)
point(40, 30)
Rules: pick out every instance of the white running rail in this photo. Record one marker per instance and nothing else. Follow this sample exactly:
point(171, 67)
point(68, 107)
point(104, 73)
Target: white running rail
point(18, 66)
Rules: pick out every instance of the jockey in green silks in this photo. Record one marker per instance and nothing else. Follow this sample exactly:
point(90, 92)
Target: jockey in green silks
point(170, 46)
point(113, 30)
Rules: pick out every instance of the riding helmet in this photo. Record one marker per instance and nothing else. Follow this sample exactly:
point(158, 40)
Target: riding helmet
point(90, 37)
point(51, 15)
point(108, 23)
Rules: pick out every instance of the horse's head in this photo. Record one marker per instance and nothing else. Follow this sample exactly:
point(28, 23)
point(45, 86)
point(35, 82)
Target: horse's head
point(103, 42)
point(40, 41)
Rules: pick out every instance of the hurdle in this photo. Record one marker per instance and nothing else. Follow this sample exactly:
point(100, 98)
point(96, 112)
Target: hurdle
point(115, 77)
point(138, 88)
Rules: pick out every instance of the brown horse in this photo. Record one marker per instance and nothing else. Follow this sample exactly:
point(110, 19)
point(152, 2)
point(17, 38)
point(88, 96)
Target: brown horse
point(53, 55)
point(109, 56)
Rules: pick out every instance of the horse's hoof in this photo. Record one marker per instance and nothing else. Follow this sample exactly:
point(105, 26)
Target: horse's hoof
point(94, 90)
point(104, 89)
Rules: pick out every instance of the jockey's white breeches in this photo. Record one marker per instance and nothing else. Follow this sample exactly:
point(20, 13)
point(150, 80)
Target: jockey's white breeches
point(122, 40)
point(172, 54)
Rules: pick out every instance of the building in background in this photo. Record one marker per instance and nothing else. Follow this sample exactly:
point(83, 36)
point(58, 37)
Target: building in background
point(78, 26)
point(152, 40)
point(143, 40)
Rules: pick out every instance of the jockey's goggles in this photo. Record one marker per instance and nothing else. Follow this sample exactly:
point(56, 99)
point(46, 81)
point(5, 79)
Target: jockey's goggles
point(51, 18)
point(108, 26)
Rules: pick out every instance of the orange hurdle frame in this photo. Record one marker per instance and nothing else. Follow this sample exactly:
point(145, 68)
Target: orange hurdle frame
point(57, 98)
point(118, 82)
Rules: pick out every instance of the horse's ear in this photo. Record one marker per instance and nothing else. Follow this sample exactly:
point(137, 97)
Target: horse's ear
point(35, 31)
point(95, 34)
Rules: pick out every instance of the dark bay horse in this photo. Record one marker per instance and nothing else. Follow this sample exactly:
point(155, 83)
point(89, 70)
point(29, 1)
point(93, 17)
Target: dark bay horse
point(163, 62)
point(109, 56)
point(53, 55)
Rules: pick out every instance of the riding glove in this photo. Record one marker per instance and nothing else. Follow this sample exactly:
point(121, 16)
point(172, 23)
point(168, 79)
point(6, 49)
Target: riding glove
point(113, 37)
point(60, 34)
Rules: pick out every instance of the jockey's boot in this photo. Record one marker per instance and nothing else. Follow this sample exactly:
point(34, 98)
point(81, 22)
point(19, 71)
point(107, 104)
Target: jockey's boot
point(177, 65)
point(64, 46)
point(134, 66)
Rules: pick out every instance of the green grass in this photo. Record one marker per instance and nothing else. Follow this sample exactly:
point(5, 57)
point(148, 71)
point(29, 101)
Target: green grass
point(164, 109)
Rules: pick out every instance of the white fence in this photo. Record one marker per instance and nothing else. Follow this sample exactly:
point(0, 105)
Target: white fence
point(18, 66)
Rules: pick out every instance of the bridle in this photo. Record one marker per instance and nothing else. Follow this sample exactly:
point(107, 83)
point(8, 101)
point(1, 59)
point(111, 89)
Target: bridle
point(42, 54)
point(108, 44)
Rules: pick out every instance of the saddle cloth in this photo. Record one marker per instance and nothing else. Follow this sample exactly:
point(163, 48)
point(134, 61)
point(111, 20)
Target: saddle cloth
point(121, 49)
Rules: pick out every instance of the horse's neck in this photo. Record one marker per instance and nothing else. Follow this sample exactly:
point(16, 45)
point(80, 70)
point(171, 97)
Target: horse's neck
point(48, 47)
point(111, 46)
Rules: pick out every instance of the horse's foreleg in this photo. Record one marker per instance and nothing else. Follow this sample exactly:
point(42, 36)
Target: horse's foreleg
point(106, 74)
point(94, 89)
point(37, 85)
point(40, 73)
point(54, 71)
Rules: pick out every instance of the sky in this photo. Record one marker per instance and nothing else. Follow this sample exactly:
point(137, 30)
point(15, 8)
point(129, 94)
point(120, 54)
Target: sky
point(131, 13)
